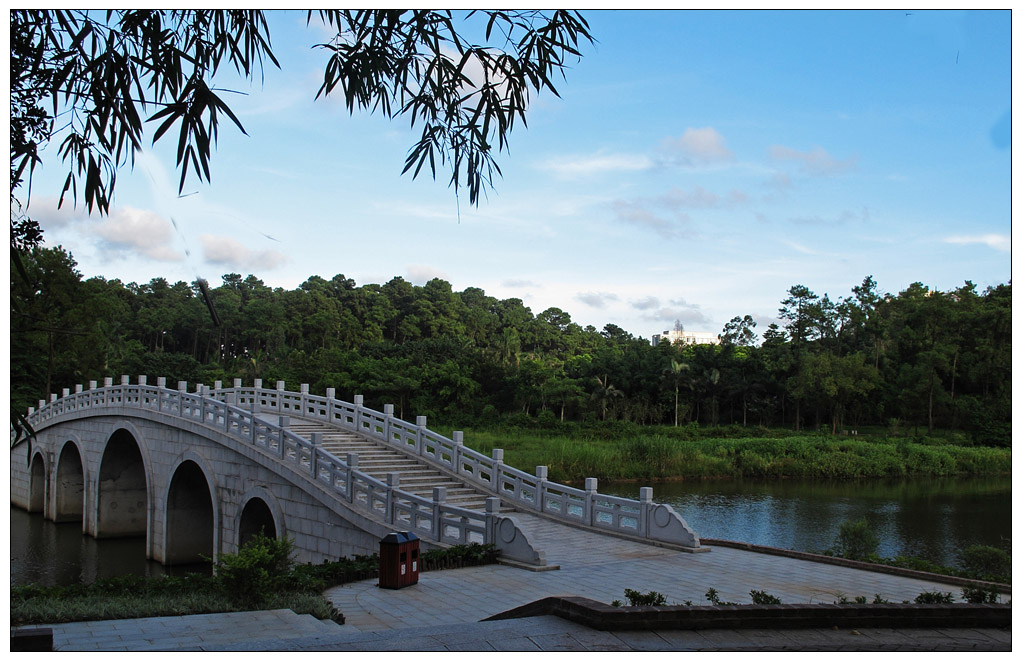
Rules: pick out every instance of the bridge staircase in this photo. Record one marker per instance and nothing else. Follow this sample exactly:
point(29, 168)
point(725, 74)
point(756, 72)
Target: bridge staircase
point(415, 475)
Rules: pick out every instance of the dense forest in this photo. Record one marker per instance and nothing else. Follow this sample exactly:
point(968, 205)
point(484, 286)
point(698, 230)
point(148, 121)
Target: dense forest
point(919, 362)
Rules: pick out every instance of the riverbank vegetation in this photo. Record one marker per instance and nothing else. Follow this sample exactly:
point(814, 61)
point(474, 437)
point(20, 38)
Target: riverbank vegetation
point(261, 576)
point(627, 451)
point(918, 365)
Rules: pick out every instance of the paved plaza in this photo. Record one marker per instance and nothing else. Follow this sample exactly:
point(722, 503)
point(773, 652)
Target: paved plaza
point(443, 610)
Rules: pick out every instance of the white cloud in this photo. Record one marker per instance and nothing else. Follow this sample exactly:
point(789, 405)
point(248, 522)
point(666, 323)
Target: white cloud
point(647, 303)
point(583, 166)
point(703, 145)
point(999, 242)
point(225, 251)
point(420, 274)
point(635, 213)
point(596, 299)
point(814, 162)
point(136, 230)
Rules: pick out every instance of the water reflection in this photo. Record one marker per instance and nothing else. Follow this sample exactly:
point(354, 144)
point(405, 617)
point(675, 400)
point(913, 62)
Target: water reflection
point(59, 554)
point(929, 518)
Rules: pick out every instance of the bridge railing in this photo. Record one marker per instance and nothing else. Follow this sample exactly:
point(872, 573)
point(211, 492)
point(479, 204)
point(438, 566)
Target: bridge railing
point(383, 501)
point(587, 507)
point(241, 413)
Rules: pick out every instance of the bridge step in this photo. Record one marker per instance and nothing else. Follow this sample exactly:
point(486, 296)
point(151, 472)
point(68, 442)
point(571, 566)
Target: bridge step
point(377, 460)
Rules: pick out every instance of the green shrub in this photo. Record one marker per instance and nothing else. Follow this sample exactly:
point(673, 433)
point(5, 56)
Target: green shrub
point(856, 540)
point(979, 596)
point(253, 573)
point(761, 597)
point(636, 598)
point(935, 598)
point(986, 562)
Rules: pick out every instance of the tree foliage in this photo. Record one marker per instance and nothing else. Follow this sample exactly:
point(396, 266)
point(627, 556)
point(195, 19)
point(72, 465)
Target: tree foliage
point(94, 80)
point(463, 356)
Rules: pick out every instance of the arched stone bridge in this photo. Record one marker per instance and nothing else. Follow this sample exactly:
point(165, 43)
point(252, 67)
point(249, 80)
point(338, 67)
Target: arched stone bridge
point(199, 473)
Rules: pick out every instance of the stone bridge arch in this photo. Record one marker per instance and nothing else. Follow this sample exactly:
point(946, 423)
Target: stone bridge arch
point(69, 487)
point(37, 483)
point(259, 511)
point(191, 520)
point(122, 489)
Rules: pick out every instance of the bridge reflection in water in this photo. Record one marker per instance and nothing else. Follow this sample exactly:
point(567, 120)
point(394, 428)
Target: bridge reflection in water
point(197, 473)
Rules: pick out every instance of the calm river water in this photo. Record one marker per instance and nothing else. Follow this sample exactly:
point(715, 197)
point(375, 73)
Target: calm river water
point(928, 518)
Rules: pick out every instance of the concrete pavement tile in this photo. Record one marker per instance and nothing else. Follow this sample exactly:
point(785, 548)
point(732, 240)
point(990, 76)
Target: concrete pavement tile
point(683, 640)
point(643, 641)
point(517, 644)
point(558, 642)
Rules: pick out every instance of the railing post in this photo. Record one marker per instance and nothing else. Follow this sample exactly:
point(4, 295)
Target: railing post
point(358, 399)
point(349, 485)
point(143, 379)
point(420, 424)
point(125, 380)
point(218, 385)
point(92, 385)
point(283, 422)
point(280, 395)
point(182, 390)
point(304, 400)
point(498, 467)
point(439, 498)
point(541, 477)
point(388, 413)
point(108, 381)
point(458, 438)
point(645, 510)
point(65, 392)
point(315, 439)
point(393, 482)
point(257, 385)
point(331, 393)
point(588, 513)
point(492, 511)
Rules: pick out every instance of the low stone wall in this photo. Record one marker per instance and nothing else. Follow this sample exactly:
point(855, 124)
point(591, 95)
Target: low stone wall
point(1000, 588)
point(600, 616)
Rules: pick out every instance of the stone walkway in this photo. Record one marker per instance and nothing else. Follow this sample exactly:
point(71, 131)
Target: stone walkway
point(443, 610)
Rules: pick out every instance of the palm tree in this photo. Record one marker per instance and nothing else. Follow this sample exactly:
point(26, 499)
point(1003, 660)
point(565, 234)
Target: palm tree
point(605, 392)
point(677, 373)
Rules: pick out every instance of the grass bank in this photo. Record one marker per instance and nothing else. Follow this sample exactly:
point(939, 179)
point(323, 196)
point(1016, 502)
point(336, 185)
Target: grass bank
point(620, 451)
point(259, 577)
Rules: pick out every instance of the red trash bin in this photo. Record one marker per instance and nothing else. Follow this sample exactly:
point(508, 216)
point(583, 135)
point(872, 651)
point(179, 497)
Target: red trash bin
point(399, 560)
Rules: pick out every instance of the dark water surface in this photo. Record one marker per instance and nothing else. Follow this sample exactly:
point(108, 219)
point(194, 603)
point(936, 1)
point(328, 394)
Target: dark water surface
point(929, 518)
point(59, 554)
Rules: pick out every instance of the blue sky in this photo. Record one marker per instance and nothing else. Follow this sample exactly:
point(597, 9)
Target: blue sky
point(696, 166)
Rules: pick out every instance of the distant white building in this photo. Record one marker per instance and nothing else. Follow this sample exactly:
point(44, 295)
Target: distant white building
point(686, 337)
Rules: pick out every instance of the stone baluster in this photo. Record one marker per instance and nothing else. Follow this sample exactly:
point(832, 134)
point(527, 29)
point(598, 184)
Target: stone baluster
point(498, 468)
point(283, 422)
point(182, 390)
point(304, 399)
point(645, 510)
point(331, 395)
point(588, 512)
point(458, 438)
point(257, 386)
point(439, 498)
point(393, 482)
point(358, 399)
point(420, 429)
point(349, 483)
point(316, 440)
point(280, 395)
point(541, 481)
point(388, 414)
